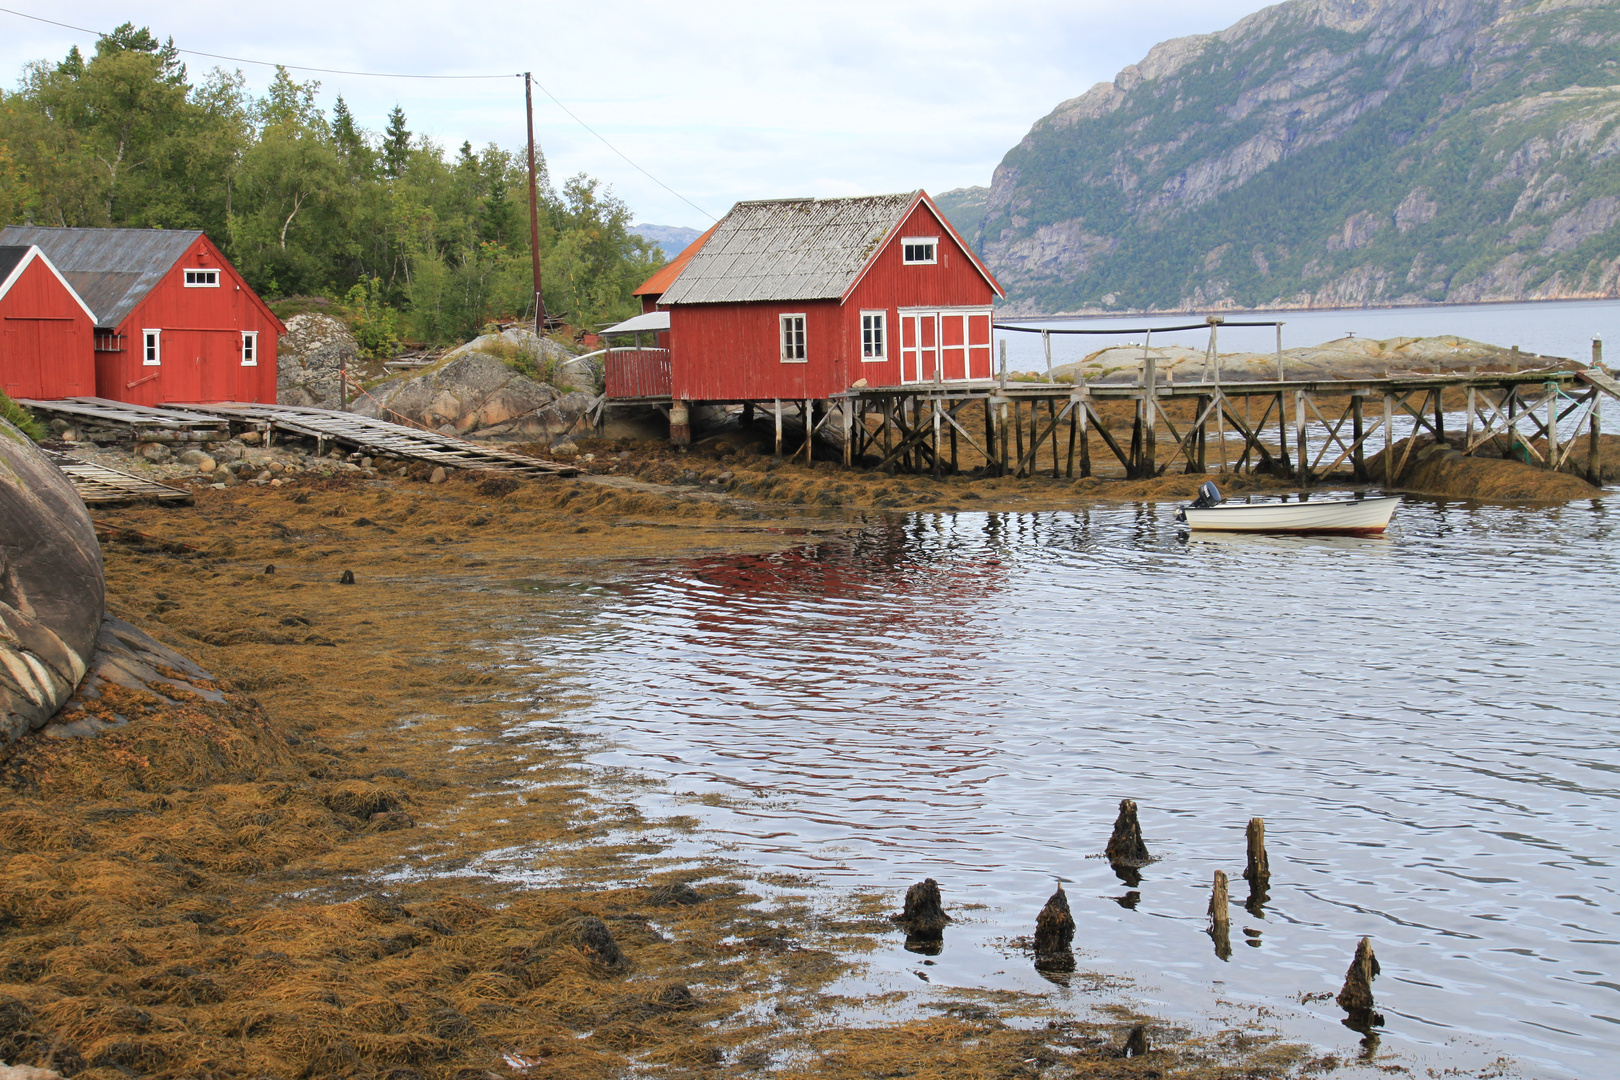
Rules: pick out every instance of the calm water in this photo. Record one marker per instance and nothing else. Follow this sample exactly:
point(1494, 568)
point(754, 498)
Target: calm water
point(1553, 328)
point(1427, 722)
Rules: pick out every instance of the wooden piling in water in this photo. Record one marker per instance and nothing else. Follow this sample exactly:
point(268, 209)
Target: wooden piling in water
point(1219, 902)
point(1126, 847)
point(1054, 934)
point(1257, 870)
point(1356, 995)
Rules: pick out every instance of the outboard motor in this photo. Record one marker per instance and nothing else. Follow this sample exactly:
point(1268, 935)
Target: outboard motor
point(1208, 496)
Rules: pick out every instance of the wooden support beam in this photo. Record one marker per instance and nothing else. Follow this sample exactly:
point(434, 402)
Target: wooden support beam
point(1303, 466)
point(1389, 435)
point(1358, 435)
point(1083, 416)
point(1594, 440)
point(1108, 438)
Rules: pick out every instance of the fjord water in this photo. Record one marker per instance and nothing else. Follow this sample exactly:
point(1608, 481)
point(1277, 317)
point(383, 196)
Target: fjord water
point(1550, 327)
point(1427, 722)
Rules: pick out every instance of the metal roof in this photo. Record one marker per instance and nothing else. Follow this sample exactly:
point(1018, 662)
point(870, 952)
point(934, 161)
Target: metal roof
point(651, 320)
point(111, 269)
point(788, 249)
point(9, 258)
point(655, 285)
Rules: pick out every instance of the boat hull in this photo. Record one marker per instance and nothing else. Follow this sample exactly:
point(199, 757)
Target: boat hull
point(1343, 517)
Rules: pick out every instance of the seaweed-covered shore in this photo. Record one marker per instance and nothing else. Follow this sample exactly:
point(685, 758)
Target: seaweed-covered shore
point(270, 866)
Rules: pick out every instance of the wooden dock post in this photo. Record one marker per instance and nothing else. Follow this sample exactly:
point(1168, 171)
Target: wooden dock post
point(1303, 470)
point(1513, 364)
point(990, 451)
point(1282, 432)
point(1551, 389)
point(933, 408)
point(848, 406)
point(809, 414)
point(1358, 464)
point(1356, 997)
point(1054, 934)
point(1150, 414)
point(1199, 440)
point(1001, 428)
point(1597, 353)
point(1594, 445)
point(1279, 354)
point(1439, 413)
point(1018, 434)
point(1220, 918)
point(1257, 868)
point(1389, 439)
point(1084, 414)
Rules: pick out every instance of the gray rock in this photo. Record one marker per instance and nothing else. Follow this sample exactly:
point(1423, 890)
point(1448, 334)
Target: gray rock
point(473, 389)
point(438, 476)
point(52, 592)
point(309, 360)
point(197, 460)
point(155, 452)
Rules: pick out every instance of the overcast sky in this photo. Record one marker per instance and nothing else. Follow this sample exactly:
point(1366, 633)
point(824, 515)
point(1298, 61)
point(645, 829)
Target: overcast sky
point(719, 100)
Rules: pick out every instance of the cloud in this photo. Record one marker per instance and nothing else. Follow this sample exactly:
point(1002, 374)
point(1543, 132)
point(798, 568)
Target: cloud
point(720, 100)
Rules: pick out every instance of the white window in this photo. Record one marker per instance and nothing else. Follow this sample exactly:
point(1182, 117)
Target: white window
point(874, 342)
point(250, 348)
point(793, 339)
point(202, 279)
point(919, 249)
point(151, 348)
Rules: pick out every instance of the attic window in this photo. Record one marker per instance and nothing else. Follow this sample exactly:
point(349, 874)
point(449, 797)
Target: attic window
point(250, 348)
point(919, 250)
point(202, 279)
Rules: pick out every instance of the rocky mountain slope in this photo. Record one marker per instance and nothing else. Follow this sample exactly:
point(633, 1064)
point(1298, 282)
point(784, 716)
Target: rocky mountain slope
point(1327, 153)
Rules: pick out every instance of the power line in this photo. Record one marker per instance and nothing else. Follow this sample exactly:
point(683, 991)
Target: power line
point(622, 154)
point(393, 75)
point(266, 63)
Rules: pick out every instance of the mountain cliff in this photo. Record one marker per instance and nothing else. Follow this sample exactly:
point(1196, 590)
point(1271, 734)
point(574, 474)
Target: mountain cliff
point(1328, 153)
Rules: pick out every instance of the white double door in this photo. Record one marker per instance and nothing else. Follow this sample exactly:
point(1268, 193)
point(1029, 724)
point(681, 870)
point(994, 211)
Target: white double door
point(945, 345)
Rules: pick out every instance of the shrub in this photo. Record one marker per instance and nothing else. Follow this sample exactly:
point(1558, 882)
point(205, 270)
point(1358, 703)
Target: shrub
point(22, 418)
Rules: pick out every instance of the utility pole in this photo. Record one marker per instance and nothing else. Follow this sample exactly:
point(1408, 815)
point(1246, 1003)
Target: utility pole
point(534, 209)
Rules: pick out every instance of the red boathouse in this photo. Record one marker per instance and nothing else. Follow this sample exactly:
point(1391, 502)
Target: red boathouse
point(799, 299)
point(46, 330)
point(175, 322)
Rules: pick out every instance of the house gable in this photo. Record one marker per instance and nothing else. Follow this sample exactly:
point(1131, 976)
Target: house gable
point(19, 266)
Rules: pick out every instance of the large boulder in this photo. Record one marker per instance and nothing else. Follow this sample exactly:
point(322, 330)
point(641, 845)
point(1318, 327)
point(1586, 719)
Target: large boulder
point(309, 360)
point(482, 388)
point(52, 592)
point(1345, 358)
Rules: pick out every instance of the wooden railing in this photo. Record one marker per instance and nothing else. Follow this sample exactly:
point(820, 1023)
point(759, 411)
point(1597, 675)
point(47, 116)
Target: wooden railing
point(637, 373)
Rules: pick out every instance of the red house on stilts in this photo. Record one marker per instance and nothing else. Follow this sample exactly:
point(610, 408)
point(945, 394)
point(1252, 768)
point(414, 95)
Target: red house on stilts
point(800, 299)
point(174, 323)
point(46, 330)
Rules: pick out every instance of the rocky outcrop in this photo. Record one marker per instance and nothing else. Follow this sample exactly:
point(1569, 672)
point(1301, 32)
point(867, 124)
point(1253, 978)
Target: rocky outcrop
point(52, 592)
point(1328, 152)
point(482, 388)
point(309, 360)
point(1345, 358)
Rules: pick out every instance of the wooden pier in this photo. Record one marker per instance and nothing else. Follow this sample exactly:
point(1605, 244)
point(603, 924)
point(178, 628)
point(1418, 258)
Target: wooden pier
point(216, 422)
point(145, 423)
point(1307, 429)
point(380, 437)
point(99, 484)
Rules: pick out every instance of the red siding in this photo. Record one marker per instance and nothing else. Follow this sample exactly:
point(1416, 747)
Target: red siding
point(730, 352)
point(637, 373)
point(201, 341)
point(45, 339)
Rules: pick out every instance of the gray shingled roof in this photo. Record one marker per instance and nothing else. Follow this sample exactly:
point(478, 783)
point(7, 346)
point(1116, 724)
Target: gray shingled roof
point(112, 270)
point(9, 258)
point(788, 249)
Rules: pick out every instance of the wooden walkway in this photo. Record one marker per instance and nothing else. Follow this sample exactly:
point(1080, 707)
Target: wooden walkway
point(100, 484)
point(918, 426)
point(145, 422)
point(380, 437)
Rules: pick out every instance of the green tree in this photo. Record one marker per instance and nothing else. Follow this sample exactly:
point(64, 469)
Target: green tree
point(396, 148)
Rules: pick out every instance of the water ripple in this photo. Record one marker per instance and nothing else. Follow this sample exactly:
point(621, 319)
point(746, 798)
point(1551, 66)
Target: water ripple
point(1426, 722)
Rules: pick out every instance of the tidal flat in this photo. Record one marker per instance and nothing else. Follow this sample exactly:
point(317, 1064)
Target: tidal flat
point(313, 877)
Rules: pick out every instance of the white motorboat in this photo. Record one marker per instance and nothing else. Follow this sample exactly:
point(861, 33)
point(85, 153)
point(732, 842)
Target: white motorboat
point(1350, 517)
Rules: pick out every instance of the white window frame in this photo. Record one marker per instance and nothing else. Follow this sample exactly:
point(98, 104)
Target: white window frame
point(200, 271)
point(250, 348)
point(783, 344)
point(151, 348)
point(907, 242)
point(882, 354)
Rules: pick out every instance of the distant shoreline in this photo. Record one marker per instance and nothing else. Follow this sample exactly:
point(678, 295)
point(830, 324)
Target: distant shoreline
point(1179, 312)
